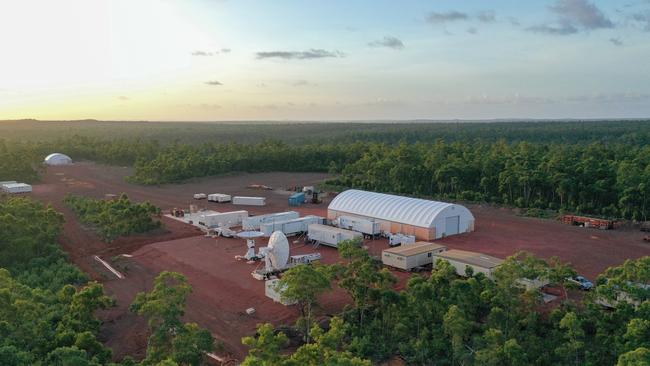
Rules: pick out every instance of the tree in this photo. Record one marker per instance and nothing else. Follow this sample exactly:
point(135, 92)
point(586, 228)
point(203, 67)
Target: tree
point(164, 306)
point(638, 357)
point(303, 284)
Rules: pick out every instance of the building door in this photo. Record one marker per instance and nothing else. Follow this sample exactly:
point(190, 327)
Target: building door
point(452, 225)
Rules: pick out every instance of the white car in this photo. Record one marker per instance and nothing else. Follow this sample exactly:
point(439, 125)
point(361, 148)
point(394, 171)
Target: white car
point(200, 196)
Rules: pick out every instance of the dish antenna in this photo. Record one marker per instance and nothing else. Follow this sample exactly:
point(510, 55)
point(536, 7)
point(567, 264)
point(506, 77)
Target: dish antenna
point(276, 253)
point(250, 237)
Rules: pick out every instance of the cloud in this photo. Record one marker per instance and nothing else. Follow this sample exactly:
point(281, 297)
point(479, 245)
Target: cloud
point(301, 83)
point(487, 16)
point(472, 30)
point(312, 53)
point(123, 98)
point(644, 19)
point(616, 41)
point(450, 16)
point(572, 16)
point(557, 30)
point(514, 21)
point(225, 50)
point(389, 42)
point(213, 83)
point(202, 53)
point(582, 13)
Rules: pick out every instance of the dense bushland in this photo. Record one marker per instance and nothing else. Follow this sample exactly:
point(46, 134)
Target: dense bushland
point(116, 217)
point(448, 320)
point(47, 305)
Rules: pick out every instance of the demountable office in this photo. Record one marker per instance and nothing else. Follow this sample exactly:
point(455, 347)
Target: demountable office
point(409, 256)
point(461, 259)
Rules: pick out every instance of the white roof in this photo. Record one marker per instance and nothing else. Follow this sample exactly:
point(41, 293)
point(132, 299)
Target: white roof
point(16, 185)
point(58, 158)
point(405, 210)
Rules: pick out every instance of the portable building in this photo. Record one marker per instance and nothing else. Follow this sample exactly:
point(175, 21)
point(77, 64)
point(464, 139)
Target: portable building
point(411, 256)
point(219, 197)
point(461, 259)
point(427, 220)
point(254, 222)
point(360, 224)
point(329, 235)
point(7, 182)
point(249, 201)
point(58, 159)
point(14, 188)
point(228, 219)
point(297, 199)
point(291, 227)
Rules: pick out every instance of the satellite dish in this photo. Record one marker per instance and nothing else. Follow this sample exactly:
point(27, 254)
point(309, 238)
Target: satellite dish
point(277, 251)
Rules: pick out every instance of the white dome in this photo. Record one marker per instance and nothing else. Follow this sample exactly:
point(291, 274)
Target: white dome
point(58, 159)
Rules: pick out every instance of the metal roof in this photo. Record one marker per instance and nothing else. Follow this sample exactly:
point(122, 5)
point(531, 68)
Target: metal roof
point(405, 210)
point(473, 258)
point(414, 249)
point(58, 158)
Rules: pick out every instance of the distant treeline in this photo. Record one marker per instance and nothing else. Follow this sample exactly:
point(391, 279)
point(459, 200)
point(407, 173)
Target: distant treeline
point(600, 168)
point(634, 132)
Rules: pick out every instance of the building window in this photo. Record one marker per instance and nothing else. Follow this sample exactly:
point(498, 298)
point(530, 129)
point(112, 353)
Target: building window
point(429, 254)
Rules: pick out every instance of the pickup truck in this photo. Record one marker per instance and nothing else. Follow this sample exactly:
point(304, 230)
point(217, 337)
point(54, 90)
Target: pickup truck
point(582, 282)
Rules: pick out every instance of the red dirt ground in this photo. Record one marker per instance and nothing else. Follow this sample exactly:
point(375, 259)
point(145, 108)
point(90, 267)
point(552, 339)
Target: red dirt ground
point(223, 286)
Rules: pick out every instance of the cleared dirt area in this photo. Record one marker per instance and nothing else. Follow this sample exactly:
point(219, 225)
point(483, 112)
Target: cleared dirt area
point(223, 286)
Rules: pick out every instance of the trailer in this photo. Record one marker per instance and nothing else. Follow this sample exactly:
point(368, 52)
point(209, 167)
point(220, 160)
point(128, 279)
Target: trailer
point(330, 236)
point(591, 222)
point(291, 227)
point(15, 188)
point(219, 197)
point(254, 222)
point(226, 219)
point(365, 226)
point(249, 201)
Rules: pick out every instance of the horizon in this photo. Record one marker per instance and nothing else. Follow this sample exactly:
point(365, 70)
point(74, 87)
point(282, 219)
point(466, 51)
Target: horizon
point(215, 61)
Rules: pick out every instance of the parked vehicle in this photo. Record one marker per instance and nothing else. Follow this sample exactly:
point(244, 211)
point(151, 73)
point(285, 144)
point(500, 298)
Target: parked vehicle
point(200, 196)
point(582, 282)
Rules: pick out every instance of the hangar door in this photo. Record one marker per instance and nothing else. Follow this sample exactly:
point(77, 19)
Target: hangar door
point(451, 225)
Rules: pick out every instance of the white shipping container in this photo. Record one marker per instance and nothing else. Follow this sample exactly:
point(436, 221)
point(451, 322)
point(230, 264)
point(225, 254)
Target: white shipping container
point(254, 222)
point(16, 188)
point(330, 236)
point(291, 227)
point(250, 201)
point(273, 291)
point(219, 197)
point(365, 226)
point(227, 219)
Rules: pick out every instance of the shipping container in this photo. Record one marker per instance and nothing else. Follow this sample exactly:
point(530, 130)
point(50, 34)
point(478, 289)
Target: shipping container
point(365, 226)
point(331, 236)
point(219, 197)
point(249, 201)
point(297, 199)
point(227, 219)
point(291, 227)
point(14, 188)
point(254, 222)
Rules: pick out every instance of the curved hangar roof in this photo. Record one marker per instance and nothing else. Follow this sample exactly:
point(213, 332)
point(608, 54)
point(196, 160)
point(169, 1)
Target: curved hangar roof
point(57, 159)
point(405, 210)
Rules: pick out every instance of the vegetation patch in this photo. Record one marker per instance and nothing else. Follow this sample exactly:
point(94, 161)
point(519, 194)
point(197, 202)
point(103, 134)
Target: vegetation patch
point(115, 218)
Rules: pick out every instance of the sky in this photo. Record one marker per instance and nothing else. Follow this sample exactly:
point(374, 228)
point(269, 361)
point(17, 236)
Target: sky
point(211, 60)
